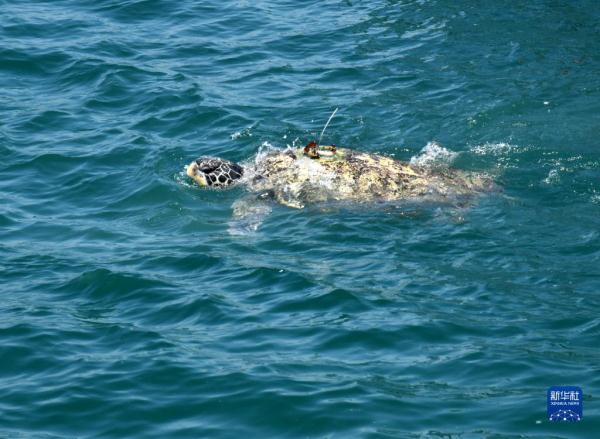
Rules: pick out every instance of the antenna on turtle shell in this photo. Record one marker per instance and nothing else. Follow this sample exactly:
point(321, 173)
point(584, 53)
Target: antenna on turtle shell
point(326, 125)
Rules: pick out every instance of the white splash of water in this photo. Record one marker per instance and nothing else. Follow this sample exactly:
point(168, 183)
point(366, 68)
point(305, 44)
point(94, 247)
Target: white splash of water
point(182, 178)
point(315, 174)
point(495, 149)
point(553, 177)
point(263, 150)
point(433, 155)
point(253, 166)
point(246, 132)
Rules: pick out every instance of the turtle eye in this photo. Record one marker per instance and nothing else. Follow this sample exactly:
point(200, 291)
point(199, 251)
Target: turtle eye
point(207, 166)
point(207, 169)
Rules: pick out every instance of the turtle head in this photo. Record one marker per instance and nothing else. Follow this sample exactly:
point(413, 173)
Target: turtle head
point(214, 172)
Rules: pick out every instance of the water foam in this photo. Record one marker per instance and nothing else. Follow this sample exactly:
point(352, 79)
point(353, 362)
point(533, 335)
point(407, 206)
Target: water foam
point(182, 178)
point(553, 177)
point(495, 149)
point(317, 175)
point(252, 166)
point(433, 155)
point(246, 132)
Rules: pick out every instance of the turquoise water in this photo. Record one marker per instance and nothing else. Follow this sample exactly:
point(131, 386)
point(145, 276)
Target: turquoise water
point(130, 310)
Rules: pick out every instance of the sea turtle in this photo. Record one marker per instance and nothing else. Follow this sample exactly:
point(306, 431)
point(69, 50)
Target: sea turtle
point(296, 177)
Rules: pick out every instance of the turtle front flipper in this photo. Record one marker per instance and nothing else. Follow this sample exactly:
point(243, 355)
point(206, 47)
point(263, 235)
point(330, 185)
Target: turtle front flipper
point(289, 195)
point(250, 212)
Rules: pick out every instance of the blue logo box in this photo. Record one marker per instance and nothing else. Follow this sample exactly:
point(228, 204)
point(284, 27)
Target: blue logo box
point(565, 403)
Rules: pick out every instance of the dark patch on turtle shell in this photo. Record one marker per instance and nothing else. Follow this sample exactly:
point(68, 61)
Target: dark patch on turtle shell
point(237, 169)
